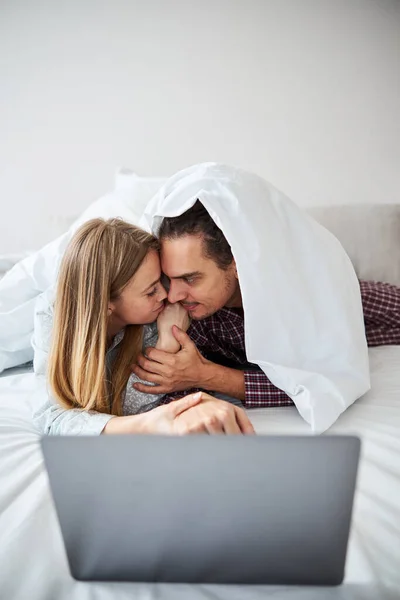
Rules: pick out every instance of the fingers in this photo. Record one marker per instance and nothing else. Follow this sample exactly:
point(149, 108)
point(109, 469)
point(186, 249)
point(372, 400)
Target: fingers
point(159, 356)
point(226, 414)
point(231, 419)
point(146, 375)
point(181, 336)
point(149, 365)
point(216, 419)
point(231, 426)
point(190, 428)
point(243, 421)
point(214, 426)
point(177, 407)
point(207, 397)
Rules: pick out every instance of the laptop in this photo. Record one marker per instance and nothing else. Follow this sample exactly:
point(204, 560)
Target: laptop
point(204, 509)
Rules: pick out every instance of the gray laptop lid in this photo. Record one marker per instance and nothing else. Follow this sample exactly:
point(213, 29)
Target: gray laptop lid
point(207, 509)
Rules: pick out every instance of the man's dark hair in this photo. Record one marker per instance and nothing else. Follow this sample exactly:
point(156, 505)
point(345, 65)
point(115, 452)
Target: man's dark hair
point(197, 221)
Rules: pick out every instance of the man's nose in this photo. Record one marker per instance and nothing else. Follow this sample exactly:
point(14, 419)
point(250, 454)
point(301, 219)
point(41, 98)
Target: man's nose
point(175, 293)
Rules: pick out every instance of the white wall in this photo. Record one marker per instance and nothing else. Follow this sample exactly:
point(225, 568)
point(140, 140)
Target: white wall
point(304, 92)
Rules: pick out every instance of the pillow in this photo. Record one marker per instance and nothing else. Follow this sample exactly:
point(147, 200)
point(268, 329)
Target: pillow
point(138, 191)
point(21, 286)
point(19, 289)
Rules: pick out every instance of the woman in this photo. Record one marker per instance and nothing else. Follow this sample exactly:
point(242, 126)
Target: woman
point(108, 294)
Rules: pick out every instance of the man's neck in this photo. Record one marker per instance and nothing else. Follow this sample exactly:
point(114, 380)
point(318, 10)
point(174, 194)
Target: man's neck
point(235, 301)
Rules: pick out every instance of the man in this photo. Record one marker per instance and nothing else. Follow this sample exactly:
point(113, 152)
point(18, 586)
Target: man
point(199, 263)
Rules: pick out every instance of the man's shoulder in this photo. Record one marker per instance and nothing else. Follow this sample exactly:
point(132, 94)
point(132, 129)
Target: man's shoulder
point(224, 317)
point(228, 314)
point(218, 332)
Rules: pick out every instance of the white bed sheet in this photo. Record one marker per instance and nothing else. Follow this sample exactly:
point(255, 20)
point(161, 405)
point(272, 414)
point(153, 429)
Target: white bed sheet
point(32, 558)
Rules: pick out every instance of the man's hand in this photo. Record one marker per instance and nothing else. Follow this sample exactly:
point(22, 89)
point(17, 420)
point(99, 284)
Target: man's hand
point(171, 372)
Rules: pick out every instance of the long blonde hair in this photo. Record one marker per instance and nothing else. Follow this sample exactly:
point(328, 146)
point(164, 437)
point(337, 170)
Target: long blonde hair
point(100, 260)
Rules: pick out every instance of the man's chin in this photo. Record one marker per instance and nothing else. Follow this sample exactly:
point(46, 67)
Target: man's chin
point(195, 317)
point(199, 313)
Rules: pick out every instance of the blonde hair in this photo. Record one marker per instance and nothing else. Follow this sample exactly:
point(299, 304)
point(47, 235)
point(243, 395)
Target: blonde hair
point(99, 261)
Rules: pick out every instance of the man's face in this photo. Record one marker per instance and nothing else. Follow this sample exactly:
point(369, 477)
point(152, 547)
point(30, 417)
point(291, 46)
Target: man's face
point(196, 281)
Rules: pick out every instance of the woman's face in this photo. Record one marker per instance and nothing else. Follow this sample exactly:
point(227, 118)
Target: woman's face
point(142, 299)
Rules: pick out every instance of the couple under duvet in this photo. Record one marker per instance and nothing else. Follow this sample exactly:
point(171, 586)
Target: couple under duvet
point(229, 298)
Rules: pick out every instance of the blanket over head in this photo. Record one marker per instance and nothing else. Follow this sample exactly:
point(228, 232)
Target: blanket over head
point(301, 299)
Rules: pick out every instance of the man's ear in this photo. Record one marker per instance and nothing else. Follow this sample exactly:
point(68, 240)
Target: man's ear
point(235, 269)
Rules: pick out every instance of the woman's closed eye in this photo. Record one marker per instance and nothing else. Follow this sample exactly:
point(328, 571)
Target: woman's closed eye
point(153, 292)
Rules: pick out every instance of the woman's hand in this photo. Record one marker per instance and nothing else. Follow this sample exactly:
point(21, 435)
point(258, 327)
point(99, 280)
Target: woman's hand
point(173, 314)
point(195, 413)
point(159, 420)
point(213, 416)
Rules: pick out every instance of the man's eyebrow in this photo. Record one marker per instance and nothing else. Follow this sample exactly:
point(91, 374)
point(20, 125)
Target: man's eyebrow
point(186, 275)
point(151, 285)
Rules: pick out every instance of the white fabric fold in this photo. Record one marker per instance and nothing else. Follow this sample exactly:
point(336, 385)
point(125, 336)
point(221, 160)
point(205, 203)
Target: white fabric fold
point(303, 314)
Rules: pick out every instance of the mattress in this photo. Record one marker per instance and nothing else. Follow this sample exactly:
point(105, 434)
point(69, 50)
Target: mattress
point(33, 563)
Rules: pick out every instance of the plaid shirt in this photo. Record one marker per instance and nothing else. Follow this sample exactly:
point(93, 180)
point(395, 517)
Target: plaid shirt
point(220, 338)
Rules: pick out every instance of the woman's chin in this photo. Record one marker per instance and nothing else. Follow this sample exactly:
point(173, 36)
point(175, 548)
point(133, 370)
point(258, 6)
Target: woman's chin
point(153, 320)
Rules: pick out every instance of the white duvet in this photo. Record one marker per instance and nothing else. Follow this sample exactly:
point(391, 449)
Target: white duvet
point(301, 298)
point(303, 314)
point(33, 564)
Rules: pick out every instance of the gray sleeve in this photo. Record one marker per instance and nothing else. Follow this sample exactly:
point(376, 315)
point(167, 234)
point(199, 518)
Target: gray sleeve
point(150, 335)
point(136, 402)
point(52, 419)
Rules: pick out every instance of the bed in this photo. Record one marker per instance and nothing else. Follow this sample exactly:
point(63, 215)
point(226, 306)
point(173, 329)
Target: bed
point(32, 558)
point(33, 563)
